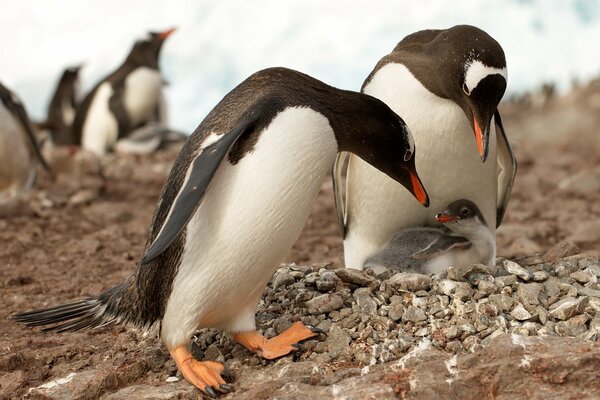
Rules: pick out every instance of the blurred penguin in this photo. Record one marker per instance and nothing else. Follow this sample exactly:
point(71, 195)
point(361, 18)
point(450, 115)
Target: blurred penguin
point(19, 149)
point(61, 110)
point(127, 99)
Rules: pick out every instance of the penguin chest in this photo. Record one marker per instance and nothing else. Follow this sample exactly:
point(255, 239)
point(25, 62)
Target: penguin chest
point(143, 88)
point(100, 128)
point(17, 169)
point(248, 221)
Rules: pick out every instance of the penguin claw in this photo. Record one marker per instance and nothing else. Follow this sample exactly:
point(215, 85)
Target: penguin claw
point(225, 388)
point(227, 376)
point(210, 391)
point(315, 329)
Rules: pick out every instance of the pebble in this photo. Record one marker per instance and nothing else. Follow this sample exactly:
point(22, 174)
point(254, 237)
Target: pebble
point(568, 307)
point(410, 281)
point(324, 303)
point(515, 269)
point(520, 313)
point(354, 276)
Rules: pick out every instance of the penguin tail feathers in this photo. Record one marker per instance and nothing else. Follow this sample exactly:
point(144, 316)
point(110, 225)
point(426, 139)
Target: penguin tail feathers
point(70, 317)
point(88, 313)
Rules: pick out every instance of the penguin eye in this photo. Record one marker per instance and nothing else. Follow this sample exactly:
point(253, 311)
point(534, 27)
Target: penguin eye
point(465, 89)
point(408, 154)
point(465, 212)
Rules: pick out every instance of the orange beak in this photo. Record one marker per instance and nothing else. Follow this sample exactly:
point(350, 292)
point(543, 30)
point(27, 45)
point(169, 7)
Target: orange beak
point(443, 218)
point(418, 190)
point(165, 34)
point(478, 137)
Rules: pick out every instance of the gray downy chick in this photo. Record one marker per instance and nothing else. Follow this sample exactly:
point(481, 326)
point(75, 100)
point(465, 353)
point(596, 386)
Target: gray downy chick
point(465, 238)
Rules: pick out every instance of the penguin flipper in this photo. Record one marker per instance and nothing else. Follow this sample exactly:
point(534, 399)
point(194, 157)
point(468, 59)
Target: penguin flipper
point(14, 105)
point(443, 244)
point(198, 177)
point(116, 105)
point(340, 206)
point(507, 169)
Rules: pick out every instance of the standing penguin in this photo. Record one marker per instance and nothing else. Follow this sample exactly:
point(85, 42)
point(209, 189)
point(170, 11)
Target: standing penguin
point(446, 84)
point(232, 207)
point(127, 99)
point(19, 150)
point(61, 110)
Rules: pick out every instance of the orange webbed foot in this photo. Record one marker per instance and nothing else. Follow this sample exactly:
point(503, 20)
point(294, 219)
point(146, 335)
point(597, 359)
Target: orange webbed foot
point(278, 346)
point(205, 375)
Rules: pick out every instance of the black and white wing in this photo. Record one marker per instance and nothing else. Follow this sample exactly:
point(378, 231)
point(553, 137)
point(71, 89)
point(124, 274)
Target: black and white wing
point(338, 188)
point(443, 244)
point(507, 169)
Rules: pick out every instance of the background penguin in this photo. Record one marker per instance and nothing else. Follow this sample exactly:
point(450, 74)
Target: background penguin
point(465, 239)
point(19, 149)
point(446, 84)
point(61, 110)
point(127, 99)
point(234, 203)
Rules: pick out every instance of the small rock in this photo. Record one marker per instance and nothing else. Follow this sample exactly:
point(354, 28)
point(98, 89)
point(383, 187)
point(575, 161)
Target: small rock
point(560, 250)
point(414, 314)
point(213, 353)
point(507, 280)
point(84, 196)
point(410, 281)
point(282, 278)
point(354, 276)
point(462, 273)
point(326, 281)
point(528, 293)
point(584, 276)
point(337, 340)
point(395, 312)
point(365, 303)
point(515, 269)
point(520, 313)
point(540, 276)
point(568, 307)
point(458, 290)
point(324, 303)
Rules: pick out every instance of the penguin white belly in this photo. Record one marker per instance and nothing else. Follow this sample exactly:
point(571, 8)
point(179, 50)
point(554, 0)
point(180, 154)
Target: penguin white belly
point(447, 161)
point(249, 219)
point(17, 170)
point(143, 91)
point(100, 129)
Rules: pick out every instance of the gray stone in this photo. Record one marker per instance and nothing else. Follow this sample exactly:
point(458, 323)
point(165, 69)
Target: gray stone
point(326, 281)
point(507, 280)
point(462, 273)
point(515, 269)
point(324, 303)
point(584, 276)
point(414, 314)
point(396, 310)
point(337, 340)
point(410, 281)
point(528, 293)
point(560, 250)
point(366, 305)
point(213, 353)
point(568, 307)
point(282, 278)
point(540, 276)
point(520, 313)
point(354, 276)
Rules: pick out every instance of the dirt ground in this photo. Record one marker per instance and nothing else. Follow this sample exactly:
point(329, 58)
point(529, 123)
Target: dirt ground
point(80, 235)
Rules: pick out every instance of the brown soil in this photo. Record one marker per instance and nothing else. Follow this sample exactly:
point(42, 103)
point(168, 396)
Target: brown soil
point(54, 251)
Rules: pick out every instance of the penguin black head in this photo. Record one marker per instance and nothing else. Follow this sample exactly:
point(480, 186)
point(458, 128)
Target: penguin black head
point(460, 215)
point(71, 72)
point(145, 52)
point(472, 70)
point(390, 146)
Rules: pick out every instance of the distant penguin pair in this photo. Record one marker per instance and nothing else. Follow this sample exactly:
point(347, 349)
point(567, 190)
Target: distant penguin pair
point(233, 205)
point(446, 85)
point(128, 99)
point(19, 149)
point(465, 239)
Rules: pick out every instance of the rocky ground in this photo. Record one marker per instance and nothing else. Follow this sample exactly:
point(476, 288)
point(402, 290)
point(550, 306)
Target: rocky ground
point(527, 328)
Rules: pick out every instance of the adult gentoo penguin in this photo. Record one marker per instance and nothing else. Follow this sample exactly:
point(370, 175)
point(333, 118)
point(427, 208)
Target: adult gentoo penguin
point(61, 109)
point(233, 205)
point(19, 149)
point(446, 85)
point(465, 239)
point(126, 99)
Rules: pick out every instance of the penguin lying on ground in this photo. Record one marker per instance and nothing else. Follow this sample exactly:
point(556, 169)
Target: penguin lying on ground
point(233, 205)
point(446, 85)
point(465, 239)
point(61, 110)
point(19, 149)
point(127, 99)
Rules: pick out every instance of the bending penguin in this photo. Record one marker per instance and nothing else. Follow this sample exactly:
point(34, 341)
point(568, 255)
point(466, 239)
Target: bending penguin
point(19, 149)
point(233, 205)
point(61, 110)
point(446, 84)
point(465, 239)
point(125, 100)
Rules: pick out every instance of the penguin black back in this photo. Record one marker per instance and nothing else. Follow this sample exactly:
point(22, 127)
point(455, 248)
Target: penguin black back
point(63, 102)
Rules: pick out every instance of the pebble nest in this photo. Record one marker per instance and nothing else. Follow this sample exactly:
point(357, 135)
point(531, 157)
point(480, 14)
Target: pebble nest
point(368, 319)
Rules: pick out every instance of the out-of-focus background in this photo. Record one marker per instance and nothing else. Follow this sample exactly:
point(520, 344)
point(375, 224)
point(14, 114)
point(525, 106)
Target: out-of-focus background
point(219, 43)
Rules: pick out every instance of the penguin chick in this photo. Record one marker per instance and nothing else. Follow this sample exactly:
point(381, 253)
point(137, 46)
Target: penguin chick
point(233, 205)
point(464, 239)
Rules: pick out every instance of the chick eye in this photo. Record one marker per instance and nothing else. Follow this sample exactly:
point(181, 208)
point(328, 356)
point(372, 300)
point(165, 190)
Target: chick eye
point(464, 212)
point(465, 89)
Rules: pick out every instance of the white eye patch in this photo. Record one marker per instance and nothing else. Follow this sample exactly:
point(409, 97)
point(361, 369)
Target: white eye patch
point(475, 71)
